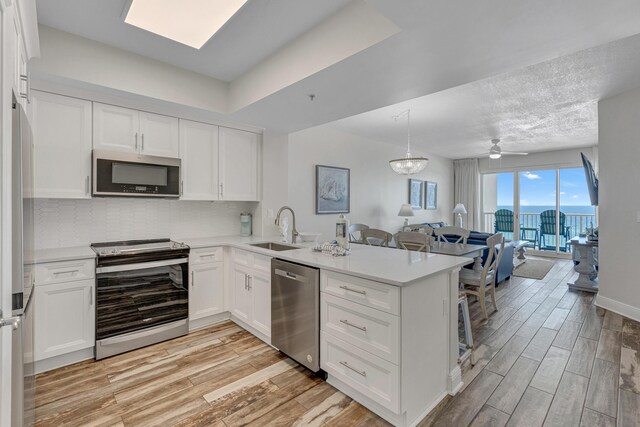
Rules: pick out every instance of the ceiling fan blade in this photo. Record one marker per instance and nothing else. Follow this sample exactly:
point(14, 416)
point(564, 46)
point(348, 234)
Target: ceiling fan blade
point(514, 153)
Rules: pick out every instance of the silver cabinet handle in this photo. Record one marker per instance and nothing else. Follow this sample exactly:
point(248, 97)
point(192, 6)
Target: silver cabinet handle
point(357, 371)
point(346, 322)
point(57, 273)
point(142, 145)
point(24, 78)
point(246, 282)
point(193, 279)
point(221, 189)
point(250, 282)
point(346, 288)
point(91, 297)
point(86, 185)
point(136, 137)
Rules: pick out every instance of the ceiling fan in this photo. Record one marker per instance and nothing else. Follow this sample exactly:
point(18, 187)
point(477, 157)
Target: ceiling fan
point(495, 152)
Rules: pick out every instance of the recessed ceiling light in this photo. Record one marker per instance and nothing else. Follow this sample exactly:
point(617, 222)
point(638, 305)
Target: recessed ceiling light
point(190, 22)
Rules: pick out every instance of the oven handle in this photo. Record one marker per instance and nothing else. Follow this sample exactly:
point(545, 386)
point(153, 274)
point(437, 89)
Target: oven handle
point(141, 266)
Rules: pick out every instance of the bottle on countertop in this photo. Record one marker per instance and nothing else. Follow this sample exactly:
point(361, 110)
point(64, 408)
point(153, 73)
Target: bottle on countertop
point(342, 231)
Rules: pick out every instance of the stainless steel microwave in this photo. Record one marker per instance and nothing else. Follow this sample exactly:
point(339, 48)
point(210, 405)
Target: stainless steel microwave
point(129, 174)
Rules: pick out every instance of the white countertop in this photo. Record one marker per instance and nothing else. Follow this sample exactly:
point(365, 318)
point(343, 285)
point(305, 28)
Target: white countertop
point(391, 266)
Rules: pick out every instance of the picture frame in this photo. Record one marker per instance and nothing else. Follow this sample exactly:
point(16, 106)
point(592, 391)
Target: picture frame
point(416, 193)
point(431, 195)
point(333, 190)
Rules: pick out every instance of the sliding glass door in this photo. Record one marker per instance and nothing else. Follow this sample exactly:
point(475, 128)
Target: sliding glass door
point(545, 207)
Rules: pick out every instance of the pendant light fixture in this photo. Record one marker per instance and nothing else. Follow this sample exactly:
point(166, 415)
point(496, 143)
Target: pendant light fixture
point(408, 165)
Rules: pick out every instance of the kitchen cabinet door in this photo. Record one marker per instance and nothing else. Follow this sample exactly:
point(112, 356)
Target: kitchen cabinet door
point(115, 128)
point(64, 318)
point(206, 293)
point(239, 154)
point(159, 135)
point(61, 128)
point(199, 153)
point(260, 287)
point(241, 296)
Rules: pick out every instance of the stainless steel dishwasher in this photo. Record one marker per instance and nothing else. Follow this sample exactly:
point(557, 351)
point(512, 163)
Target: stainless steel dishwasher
point(295, 312)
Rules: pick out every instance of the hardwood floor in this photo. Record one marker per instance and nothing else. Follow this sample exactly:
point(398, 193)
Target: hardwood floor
point(548, 356)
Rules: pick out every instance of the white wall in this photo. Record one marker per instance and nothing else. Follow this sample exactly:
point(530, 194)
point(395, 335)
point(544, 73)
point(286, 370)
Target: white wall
point(541, 160)
point(619, 198)
point(376, 191)
point(275, 176)
point(68, 56)
point(64, 223)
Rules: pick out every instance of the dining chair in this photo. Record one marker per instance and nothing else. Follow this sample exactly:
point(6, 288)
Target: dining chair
point(413, 241)
point(478, 283)
point(375, 237)
point(355, 232)
point(461, 233)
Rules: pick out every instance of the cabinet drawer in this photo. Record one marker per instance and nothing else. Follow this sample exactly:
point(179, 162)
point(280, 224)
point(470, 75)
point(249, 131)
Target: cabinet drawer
point(67, 271)
point(206, 255)
point(372, 294)
point(376, 378)
point(369, 329)
point(241, 257)
point(262, 263)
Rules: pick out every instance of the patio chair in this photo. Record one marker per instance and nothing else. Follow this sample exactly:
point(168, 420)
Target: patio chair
point(504, 221)
point(548, 228)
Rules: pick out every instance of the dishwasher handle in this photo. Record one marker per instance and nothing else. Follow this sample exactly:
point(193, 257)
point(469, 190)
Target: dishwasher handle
point(290, 275)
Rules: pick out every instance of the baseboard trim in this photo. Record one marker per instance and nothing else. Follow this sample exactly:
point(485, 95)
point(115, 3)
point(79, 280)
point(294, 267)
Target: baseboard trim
point(56, 362)
point(208, 321)
point(621, 308)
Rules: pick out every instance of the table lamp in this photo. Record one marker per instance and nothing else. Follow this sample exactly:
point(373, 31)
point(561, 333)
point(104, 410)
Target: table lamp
point(460, 210)
point(406, 212)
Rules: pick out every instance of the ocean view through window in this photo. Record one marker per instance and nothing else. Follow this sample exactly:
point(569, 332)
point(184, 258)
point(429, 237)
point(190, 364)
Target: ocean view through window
point(553, 207)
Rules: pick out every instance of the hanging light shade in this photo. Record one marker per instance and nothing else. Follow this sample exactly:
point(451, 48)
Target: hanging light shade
point(409, 164)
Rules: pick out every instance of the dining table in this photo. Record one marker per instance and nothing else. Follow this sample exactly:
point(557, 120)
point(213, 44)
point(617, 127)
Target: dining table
point(461, 249)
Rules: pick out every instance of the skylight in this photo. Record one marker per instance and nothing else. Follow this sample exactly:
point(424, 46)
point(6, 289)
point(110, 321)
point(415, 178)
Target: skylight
point(190, 22)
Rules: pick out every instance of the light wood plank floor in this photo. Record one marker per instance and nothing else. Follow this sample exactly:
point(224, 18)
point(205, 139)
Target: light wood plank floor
point(548, 356)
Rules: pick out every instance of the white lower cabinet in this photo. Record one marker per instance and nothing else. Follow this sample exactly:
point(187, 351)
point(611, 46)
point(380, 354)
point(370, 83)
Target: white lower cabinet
point(387, 346)
point(64, 318)
point(206, 282)
point(251, 290)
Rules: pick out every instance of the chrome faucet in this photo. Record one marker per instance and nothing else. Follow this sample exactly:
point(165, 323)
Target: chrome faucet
point(294, 232)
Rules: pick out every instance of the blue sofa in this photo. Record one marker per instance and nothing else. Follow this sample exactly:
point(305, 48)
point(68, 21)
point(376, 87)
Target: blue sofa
point(505, 268)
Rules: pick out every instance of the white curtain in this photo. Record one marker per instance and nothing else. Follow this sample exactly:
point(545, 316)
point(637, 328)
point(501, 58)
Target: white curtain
point(466, 190)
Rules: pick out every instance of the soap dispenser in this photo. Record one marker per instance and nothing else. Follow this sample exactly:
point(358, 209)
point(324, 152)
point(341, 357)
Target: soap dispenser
point(245, 224)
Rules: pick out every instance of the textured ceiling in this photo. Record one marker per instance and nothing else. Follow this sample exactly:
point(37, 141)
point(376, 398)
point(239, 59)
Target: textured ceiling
point(547, 106)
point(258, 30)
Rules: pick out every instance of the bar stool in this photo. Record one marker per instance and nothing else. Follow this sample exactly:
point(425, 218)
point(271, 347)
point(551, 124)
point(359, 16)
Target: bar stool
point(466, 347)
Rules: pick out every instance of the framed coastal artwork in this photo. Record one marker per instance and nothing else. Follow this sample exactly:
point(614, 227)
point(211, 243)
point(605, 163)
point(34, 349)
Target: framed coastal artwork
point(415, 193)
point(332, 190)
point(431, 195)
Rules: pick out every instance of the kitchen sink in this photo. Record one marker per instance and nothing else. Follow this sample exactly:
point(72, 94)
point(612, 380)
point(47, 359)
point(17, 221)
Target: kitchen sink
point(274, 246)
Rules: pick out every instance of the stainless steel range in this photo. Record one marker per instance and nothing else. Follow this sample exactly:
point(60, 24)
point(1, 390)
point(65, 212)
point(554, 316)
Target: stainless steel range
point(142, 294)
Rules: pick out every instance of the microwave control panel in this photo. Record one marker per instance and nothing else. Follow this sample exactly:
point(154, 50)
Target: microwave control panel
point(140, 189)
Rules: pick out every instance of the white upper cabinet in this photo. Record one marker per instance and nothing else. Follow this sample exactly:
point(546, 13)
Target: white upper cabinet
point(123, 129)
point(239, 154)
point(61, 146)
point(199, 153)
point(159, 135)
point(115, 128)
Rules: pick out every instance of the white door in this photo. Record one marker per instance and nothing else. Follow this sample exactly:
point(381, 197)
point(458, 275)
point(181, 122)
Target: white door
point(241, 297)
point(159, 135)
point(199, 153)
point(115, 128)
point(61, 146)
point(238, 165)
point(207, 290)
point(260, 287)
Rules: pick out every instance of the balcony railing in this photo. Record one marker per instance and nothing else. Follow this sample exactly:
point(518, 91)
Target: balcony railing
point(576, 224)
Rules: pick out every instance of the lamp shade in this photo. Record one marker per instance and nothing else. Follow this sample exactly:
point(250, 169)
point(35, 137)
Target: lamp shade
point(459, 209)
point(405, 210)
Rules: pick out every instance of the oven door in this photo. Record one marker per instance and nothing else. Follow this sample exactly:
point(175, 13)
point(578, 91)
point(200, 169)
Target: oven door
point(133, 297)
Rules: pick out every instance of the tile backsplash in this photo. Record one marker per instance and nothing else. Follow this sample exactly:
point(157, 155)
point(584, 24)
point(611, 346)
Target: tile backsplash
point(63, 223)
